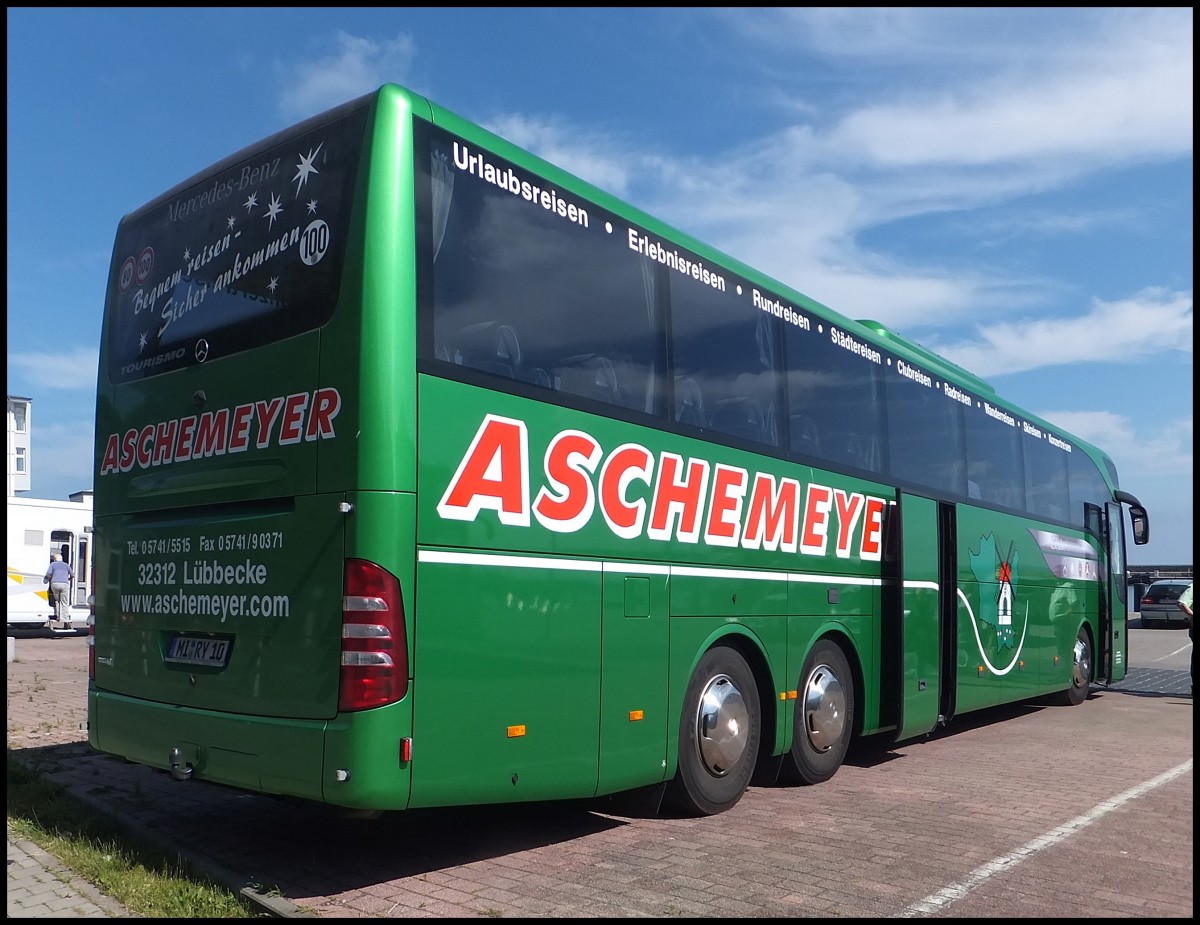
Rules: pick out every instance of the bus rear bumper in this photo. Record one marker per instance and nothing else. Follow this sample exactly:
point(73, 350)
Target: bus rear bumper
point(307, 759)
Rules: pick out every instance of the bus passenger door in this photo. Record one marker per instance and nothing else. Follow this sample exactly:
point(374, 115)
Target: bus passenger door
point(633, 677)
point(1113, 614)
point(923, 586)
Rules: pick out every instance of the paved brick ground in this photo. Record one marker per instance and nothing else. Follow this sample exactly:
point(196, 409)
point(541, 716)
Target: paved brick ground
point(1025, 811)
point(39, 886)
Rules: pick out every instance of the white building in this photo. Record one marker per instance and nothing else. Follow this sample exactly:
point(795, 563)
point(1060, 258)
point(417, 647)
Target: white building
point(19, 455)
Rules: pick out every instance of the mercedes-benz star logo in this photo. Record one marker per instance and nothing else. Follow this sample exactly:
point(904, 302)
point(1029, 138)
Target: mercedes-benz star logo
point(201, 350)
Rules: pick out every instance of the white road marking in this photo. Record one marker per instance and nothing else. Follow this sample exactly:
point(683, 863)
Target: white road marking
point(944, 897)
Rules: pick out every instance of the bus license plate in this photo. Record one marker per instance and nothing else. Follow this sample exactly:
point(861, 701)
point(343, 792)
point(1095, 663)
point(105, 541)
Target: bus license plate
point(194, 650)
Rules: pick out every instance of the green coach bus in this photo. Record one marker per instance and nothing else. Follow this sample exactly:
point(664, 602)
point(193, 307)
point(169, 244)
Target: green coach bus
point(428, 474)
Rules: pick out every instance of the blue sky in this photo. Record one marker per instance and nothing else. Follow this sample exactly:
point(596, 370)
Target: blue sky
point(1010, 187)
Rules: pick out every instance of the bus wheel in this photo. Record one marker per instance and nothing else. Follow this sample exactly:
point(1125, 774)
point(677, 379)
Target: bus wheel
point(1081, 671)
point(824, 719)
point(719, 732)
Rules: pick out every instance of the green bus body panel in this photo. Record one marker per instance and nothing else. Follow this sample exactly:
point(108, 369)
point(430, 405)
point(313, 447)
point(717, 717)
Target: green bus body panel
point(283, 368)
point(634, 720)
point(921, 626)
point(374, 311)
point(507, 691)
point(1053, 591)
point(265, 578)
point(368, 746)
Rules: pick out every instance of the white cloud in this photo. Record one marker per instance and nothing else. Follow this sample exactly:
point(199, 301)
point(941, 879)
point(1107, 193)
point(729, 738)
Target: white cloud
point(1168, 452)
point(356, 66)
point(73, 369)
point(1152, 322)
point(1102, 113)
point(61, 456)
point(590, 156)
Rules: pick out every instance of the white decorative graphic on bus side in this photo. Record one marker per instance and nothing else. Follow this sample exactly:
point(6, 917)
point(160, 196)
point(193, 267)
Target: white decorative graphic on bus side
point(688, 500)
point(280, 421)
point(1067, 556)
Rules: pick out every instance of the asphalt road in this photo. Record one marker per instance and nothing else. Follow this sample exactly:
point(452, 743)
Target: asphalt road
point(1026, 810)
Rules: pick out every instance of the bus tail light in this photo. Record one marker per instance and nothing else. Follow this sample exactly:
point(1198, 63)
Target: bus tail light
point(374, 641)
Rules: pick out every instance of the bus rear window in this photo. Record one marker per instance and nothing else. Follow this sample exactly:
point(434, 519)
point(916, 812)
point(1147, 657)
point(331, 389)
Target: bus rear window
point(243, 255)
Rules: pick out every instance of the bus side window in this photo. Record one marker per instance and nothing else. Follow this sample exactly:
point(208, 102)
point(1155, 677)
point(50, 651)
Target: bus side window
point(689, 402)
point(492, 347)
point(538, 376)
point(740, 417)
point(852, 450)
point(589, 375)
point(805, 438)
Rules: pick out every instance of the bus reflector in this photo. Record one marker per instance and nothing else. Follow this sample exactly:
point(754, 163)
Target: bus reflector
point(91, 644)
point(91, 625)
point(374, 641)
point(515, 732)
point(635, 715)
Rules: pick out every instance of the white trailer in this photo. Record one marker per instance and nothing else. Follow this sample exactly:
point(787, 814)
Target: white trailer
point(37, 529)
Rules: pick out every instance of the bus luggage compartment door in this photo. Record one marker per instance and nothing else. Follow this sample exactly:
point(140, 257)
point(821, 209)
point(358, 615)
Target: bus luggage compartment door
point(633, 679)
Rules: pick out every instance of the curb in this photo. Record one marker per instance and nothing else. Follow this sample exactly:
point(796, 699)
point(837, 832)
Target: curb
point(267, 903)
point(85, 888)
point(274, 906)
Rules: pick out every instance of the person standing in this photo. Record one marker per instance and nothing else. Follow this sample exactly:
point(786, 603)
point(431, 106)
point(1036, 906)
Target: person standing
point(58, 577)
point(1185, 604)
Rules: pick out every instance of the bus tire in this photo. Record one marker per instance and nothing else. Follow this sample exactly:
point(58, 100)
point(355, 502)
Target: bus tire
point(1081, 670)
point(824, 717)
point(719, 731)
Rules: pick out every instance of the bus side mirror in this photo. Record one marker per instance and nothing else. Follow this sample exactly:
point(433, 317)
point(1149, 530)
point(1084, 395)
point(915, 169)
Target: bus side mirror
point(1141, 525)
point(1137, 516)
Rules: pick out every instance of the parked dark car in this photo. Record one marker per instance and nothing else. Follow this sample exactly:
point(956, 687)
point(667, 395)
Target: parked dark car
point(1159, 606)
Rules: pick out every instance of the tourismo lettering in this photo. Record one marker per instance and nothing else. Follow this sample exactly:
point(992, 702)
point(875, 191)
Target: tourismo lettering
point(662, 498)
point(283, 420)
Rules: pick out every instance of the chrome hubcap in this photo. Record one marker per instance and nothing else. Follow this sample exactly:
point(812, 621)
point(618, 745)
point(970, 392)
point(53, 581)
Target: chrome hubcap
point(1083, 662)
point(722, 724)
point(824, 707)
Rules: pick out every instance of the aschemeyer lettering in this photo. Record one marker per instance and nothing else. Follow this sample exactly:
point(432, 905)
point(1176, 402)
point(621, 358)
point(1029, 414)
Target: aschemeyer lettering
point(278, 421)
point(661, 497)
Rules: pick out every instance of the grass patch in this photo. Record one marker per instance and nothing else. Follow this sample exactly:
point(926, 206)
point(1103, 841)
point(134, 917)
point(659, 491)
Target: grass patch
point(149, 881)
